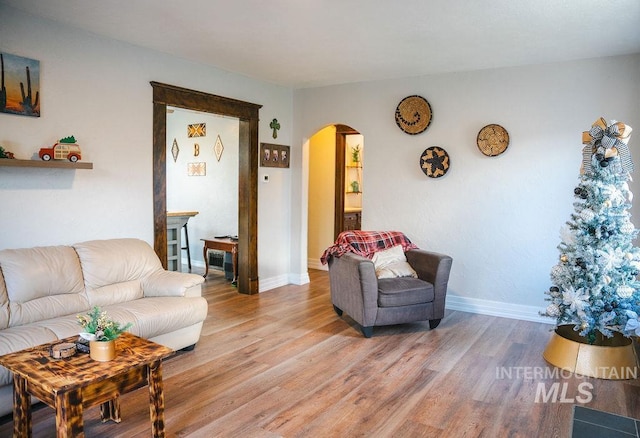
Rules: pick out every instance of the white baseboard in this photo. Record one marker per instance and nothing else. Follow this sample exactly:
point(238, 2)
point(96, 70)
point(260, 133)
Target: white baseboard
point(496, 308)
point(266, 284)
point(454, 302)
point(299, 279)
point(315, 264)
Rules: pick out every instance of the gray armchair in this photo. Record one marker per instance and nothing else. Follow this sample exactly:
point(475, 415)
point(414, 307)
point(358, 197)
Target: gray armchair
point(370, 301)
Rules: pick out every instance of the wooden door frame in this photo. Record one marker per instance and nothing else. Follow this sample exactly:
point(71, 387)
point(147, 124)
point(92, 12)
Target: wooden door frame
point(247, 113)
point(341, 141)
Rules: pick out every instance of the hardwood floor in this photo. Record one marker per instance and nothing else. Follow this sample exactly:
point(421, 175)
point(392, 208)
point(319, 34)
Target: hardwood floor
point(283, 364)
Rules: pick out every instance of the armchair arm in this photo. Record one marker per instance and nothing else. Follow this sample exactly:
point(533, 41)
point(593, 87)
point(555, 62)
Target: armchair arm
point(163, 283)
point(434, 268)
point(354, 287)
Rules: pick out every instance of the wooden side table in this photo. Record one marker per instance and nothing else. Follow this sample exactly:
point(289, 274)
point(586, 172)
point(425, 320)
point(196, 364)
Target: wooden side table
point(221, 244)
point(68, 385)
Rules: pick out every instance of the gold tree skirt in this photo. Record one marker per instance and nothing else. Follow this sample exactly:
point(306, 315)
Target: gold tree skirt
point(609, 358)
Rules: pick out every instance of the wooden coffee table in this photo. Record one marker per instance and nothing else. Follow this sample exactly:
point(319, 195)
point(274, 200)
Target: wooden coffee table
point(68, 385)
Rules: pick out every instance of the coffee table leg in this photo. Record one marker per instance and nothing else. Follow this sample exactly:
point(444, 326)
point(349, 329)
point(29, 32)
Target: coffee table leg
point(69, 414)
point(21, 407)
point(156, 399)
point(110, 410)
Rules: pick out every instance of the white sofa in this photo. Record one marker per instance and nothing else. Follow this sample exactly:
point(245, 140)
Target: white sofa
point(43, 289)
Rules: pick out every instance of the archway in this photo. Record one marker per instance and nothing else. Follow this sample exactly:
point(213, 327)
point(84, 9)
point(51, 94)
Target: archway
point(334, 185)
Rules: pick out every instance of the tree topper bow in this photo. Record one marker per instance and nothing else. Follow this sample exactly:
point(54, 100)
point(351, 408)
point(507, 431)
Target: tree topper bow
point(608, 136)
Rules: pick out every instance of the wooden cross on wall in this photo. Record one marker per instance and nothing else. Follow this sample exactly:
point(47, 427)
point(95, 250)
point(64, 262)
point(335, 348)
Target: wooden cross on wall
point(275, 126)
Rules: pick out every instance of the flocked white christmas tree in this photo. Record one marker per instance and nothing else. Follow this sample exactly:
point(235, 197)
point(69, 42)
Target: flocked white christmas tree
point(595, 285)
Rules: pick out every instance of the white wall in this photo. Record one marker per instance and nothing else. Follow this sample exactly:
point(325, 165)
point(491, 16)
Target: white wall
point(98, 90)
point(215, 195)
point(497, 217)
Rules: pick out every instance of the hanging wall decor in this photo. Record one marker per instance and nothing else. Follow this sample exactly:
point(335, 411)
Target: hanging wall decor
point(274, 155)
point(274, 125)
point(175, 150)
point(218, 148)
point(20, 85)
point(493, 140)
point(434, 162)
point(197, 169)
point(197, 130)
point(413, 114)
point(196, 149)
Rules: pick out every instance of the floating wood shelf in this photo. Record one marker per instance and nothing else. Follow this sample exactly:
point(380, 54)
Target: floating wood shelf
point(7, 162)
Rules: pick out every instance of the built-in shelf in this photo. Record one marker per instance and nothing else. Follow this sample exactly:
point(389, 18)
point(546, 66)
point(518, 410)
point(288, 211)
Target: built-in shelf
point(8, 162)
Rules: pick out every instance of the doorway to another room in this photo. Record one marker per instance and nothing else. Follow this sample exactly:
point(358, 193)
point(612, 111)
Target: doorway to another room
point(202, 189)
point(335, 186)
point(247, 115)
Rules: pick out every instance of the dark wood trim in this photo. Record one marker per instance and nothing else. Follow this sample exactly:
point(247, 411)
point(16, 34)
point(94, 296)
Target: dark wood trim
point(341, 132)
point(338, 220)
point(164, 95)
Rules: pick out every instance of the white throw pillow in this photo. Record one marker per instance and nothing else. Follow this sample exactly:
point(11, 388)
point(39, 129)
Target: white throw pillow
point(392, 263)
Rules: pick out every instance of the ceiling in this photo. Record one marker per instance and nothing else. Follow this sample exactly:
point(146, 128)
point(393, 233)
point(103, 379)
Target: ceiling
point(310, 43)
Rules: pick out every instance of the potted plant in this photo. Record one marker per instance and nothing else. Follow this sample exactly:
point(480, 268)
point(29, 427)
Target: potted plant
point(101, 332)
point(355, 154)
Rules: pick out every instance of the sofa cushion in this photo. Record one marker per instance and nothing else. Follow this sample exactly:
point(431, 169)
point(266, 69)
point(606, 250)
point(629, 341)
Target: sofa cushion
point(115, 293)
point(111, 262)
point(404, 291)
point(18, 338)
point(153, 316)
point(42, 282)
point(172, 284)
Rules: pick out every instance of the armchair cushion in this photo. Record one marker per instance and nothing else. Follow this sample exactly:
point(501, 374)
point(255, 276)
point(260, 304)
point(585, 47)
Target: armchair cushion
point(404, 291)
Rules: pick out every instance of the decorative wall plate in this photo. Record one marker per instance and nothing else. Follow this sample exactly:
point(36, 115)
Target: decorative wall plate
point(413, 114)
point(434, 162)
point(493, 140)
point(218, 148)
point(197, 130)
point(175, 150)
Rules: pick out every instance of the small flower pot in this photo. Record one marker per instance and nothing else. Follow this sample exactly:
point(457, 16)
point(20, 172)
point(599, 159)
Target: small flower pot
point(102, 351)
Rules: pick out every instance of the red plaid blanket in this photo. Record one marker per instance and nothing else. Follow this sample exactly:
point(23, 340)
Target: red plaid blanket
point(365, 243)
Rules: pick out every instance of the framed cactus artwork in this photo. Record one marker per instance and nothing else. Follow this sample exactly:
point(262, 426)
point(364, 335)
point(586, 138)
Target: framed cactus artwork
point(19, 85)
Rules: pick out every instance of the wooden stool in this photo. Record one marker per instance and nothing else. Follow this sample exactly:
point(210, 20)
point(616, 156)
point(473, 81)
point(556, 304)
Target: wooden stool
point(186, 247)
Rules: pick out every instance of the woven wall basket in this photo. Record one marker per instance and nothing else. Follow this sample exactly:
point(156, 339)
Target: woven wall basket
point(434, 162)
point(493, 140)
point(413, 114)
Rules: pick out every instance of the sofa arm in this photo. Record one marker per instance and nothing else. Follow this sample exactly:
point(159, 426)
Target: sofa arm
point(163, 283)
point(354, 287)
point(434, 268)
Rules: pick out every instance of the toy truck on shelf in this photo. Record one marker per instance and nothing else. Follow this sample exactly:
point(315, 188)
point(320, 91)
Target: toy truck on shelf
point(65, 149)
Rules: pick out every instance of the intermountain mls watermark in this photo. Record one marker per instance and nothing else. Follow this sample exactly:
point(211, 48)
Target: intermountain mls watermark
point(550, 390)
